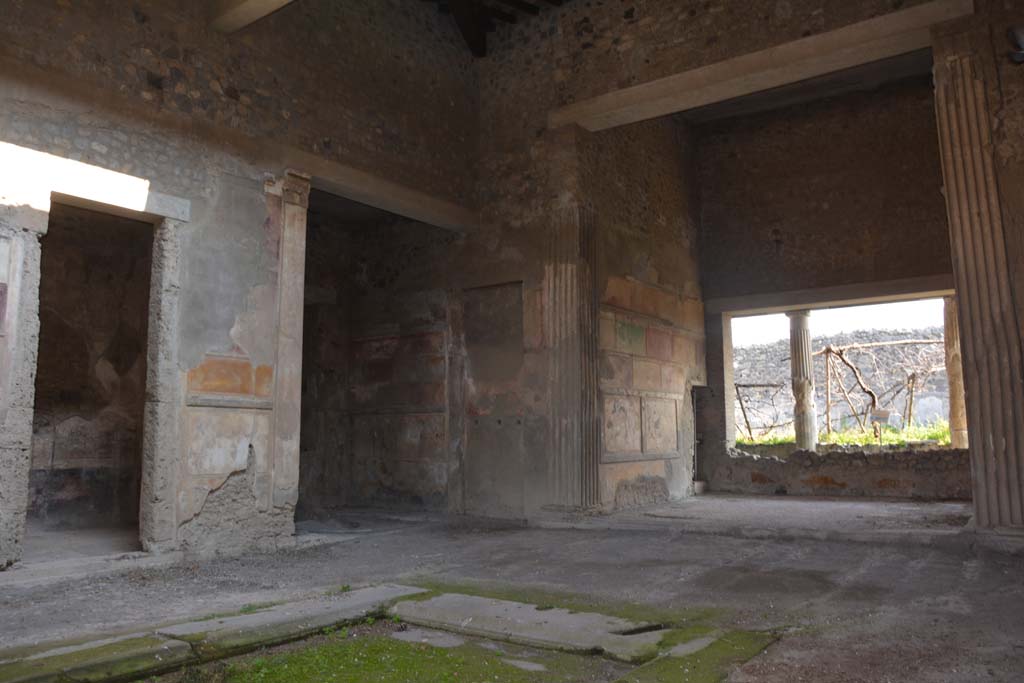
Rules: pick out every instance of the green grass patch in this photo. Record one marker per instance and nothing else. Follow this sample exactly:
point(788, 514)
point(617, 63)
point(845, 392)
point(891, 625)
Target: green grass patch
point(710, 665)
point(678, 636)
point(770, 439)
point(382, 659)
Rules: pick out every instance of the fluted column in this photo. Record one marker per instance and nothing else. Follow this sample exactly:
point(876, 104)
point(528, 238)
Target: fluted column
point(955, 376)
point(990, 340)
point(570, 307)
point(805, 413)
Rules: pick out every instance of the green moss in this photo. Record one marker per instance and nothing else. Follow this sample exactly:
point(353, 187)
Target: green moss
point(678, 636)
point(381, 659)
point(254, 607)
point(709, 665)
point(547, 599)
point(113, 661)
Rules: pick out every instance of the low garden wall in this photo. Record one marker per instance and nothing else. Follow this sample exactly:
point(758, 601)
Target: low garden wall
point(925, 473)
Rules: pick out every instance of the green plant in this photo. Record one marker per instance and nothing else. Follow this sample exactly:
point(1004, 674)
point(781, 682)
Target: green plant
point(936, 431)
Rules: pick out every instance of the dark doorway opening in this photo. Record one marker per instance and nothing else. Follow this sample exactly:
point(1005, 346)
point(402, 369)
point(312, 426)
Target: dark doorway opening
point(90, 385)
point(374, 362)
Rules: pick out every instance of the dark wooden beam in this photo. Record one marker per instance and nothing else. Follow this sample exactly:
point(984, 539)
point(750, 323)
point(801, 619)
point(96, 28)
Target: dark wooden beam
point(521, 6)
point(476, 18)
point(499, 15)
point(471, 24)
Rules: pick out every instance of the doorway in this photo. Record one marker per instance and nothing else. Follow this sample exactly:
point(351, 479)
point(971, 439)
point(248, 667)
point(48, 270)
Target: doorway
point(374, 368)
point(90, 385)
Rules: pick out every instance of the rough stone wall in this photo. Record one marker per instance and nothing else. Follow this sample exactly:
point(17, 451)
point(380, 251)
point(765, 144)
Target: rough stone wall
point(840, 191)
point(533, 180)
point(919, 474)
point(225, 275)
point(375, 366)
point(149, 90)
point(91, 373)
point(386, 84)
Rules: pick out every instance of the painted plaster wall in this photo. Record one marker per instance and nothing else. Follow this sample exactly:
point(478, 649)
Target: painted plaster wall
point(639, 180)
point(91, 374)
point(840, 191)
point(374, 366)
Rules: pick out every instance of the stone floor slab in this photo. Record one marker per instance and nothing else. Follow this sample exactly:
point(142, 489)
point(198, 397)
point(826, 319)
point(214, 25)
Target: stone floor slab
point(516, 622)
point(692, 646)
point(216, 638)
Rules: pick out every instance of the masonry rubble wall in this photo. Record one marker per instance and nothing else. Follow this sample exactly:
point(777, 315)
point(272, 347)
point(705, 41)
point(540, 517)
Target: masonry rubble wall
point(839, 191)
point(906, 473)
point(149, 91)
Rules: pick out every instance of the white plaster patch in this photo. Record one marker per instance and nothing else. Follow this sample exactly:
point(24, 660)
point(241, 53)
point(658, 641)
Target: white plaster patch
point(5, 260)
point(219, 440)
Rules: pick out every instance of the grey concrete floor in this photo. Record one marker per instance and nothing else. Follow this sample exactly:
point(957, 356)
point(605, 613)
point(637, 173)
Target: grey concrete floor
point(851, 611)
point(43, 544)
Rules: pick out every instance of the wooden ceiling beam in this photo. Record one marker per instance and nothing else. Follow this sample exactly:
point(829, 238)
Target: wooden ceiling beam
point(229, 16)
point(889, 35)
point(521, 6)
